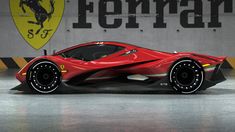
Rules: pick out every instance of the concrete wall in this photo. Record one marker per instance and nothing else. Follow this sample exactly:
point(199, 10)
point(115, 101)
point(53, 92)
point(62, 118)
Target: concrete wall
point(203, 40)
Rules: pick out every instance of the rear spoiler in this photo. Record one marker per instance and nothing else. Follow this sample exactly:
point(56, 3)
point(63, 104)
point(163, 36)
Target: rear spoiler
point(217, 59)
point(222, 58)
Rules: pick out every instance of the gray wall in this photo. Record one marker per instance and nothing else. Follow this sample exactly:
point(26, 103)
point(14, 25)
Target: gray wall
point(203, 40)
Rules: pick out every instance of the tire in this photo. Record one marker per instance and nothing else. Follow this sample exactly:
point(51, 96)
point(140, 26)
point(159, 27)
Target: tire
point(186, 76)
point(44, 77)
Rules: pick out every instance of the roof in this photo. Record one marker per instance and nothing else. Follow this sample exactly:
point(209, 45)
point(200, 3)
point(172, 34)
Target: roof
point(99, 42)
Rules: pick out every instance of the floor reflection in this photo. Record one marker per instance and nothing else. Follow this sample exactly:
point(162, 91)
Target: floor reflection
point(115, 107)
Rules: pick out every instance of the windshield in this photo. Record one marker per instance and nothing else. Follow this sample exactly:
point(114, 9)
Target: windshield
point(91, 52)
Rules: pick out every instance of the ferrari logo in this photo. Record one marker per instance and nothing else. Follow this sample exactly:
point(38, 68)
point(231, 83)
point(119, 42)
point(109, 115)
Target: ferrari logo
point(62, 67)
point(37, 20)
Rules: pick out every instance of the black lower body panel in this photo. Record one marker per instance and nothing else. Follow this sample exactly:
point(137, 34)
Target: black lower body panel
point(215, 78)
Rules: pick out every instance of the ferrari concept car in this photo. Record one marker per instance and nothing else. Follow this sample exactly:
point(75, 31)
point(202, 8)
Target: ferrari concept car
point(184, 72)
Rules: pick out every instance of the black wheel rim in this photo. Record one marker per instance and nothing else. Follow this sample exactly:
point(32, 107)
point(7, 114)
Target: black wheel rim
point(44, 77)
point(186, 76)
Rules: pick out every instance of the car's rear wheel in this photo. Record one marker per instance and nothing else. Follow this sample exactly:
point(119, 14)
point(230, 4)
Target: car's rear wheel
point(44, 77)
point(186, 76)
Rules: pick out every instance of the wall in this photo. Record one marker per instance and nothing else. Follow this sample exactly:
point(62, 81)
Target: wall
point(202, 40)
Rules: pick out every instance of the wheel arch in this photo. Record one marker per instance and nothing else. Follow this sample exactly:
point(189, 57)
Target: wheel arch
point(41, 60)
point(184, 58)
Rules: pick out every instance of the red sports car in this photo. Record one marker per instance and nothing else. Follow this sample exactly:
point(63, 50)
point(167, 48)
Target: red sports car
point(185, 72)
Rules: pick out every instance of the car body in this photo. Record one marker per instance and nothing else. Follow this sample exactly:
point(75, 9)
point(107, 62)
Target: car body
point(185, 72)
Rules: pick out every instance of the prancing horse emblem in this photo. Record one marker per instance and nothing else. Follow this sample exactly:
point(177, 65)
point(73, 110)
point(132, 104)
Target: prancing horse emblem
point(37, 20)
point(40, 13)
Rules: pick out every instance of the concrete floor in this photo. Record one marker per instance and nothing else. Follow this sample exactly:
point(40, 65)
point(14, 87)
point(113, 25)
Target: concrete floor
point(211, 110)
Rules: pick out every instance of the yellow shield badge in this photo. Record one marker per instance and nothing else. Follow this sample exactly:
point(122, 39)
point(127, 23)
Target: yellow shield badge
point(37, 20)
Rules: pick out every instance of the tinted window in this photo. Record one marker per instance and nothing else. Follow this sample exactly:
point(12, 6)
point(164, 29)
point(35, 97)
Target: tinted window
point(92, 52)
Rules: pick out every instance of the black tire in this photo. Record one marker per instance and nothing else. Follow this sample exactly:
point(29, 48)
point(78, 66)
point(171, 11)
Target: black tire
point(44, 77)
point(186, 76)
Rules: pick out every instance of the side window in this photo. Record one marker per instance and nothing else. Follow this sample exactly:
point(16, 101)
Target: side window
point(93, 52)
point(100, 51)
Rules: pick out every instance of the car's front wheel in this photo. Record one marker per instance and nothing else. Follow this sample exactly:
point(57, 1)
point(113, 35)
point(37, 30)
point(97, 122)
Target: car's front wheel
point(186, 76)
point(44, 77)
